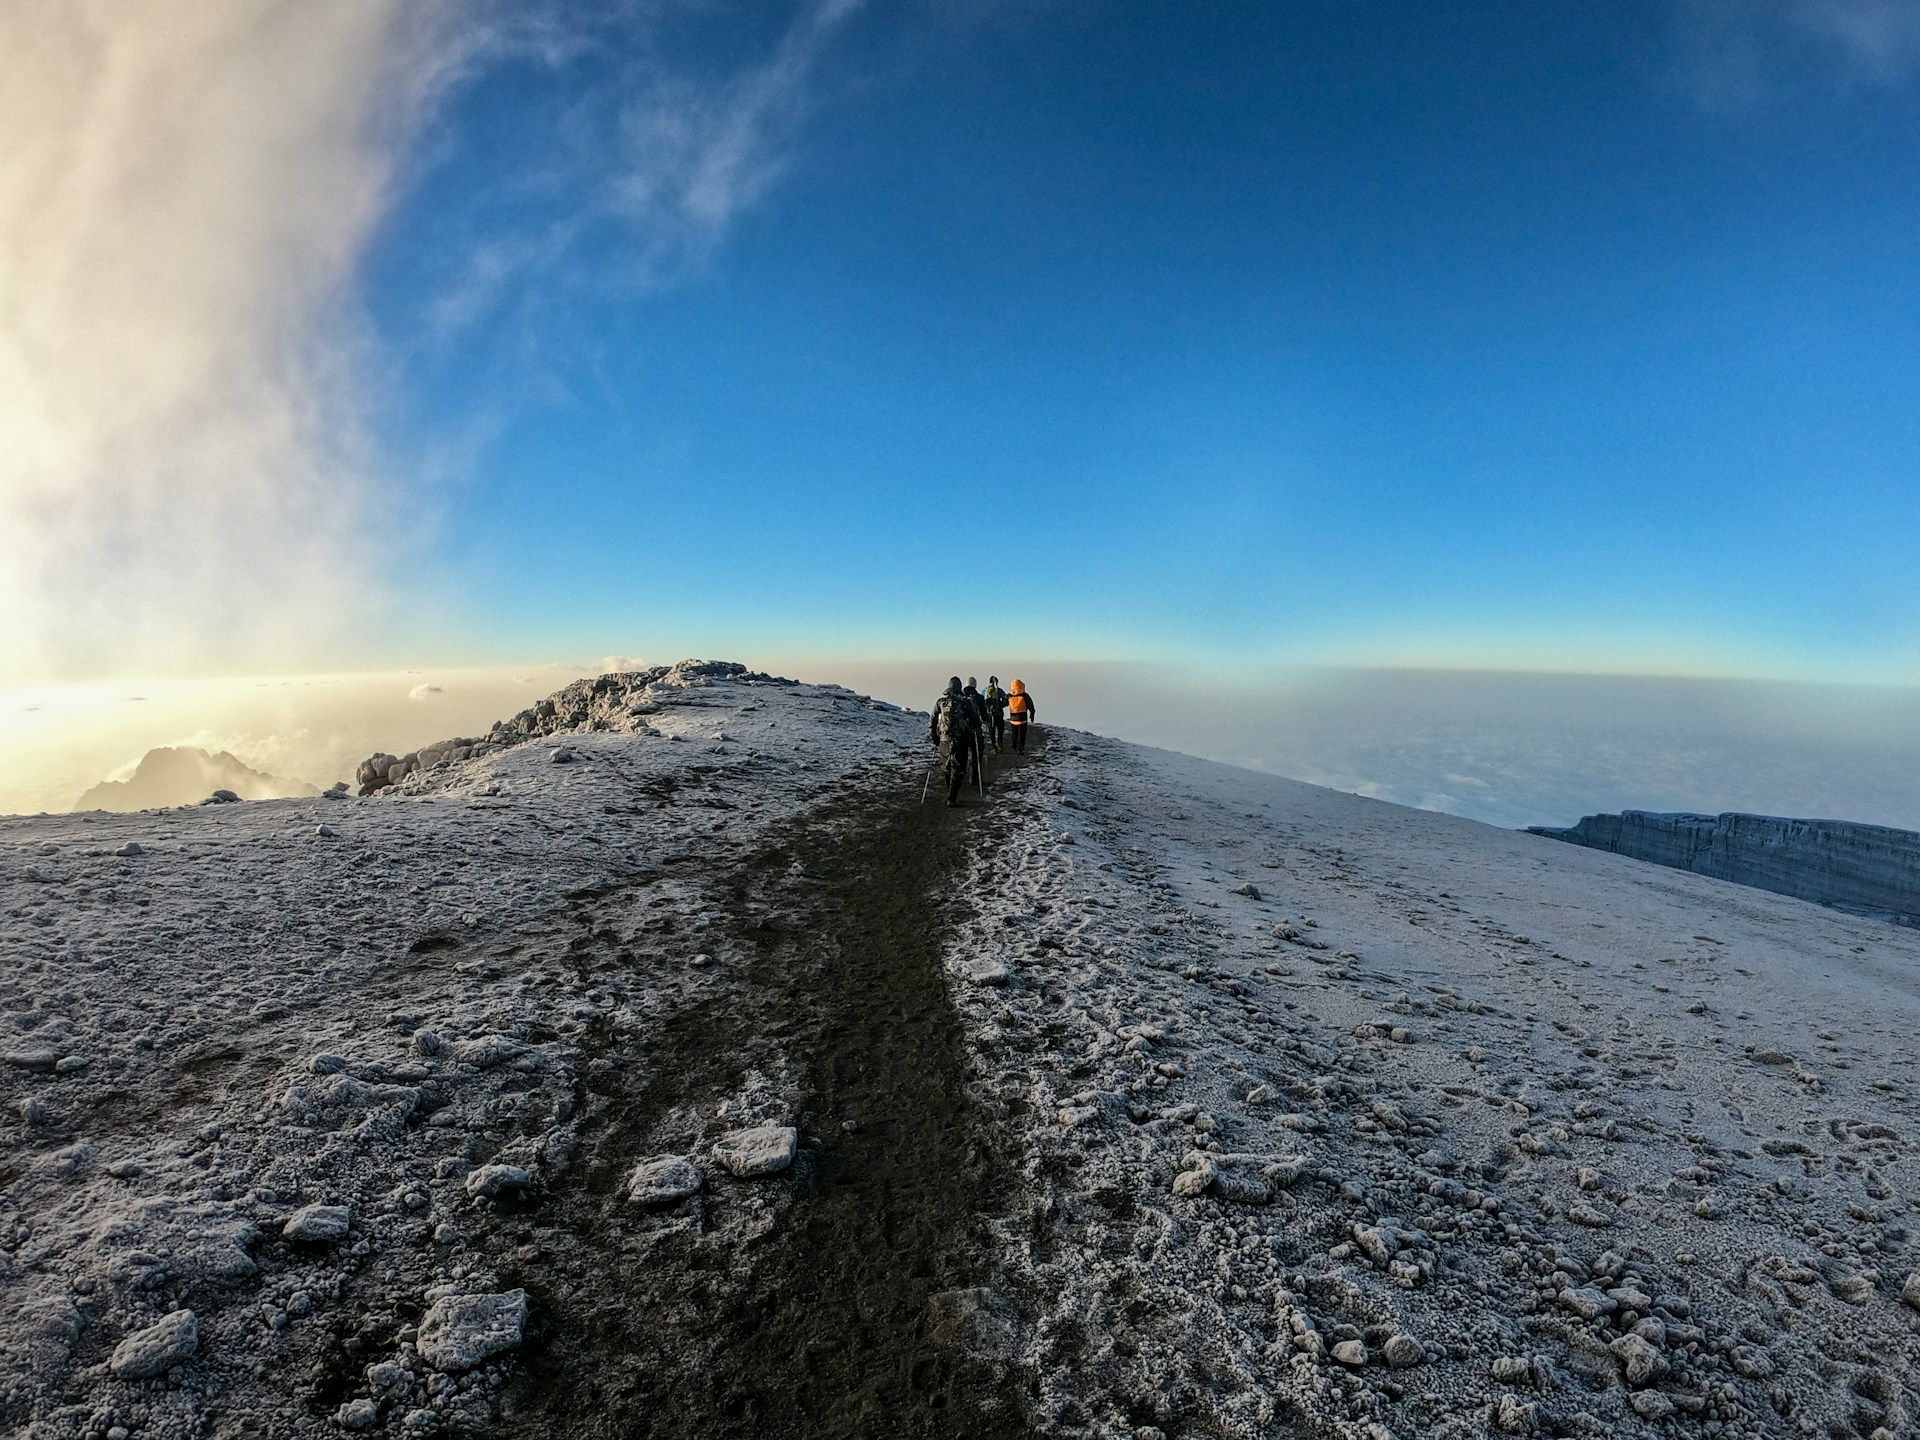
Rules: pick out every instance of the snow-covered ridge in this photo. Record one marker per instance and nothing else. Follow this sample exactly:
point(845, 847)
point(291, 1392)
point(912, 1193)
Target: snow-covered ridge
point(1872, 868)
point(1301, 1114)
point(617, 702)
point(316, 1074)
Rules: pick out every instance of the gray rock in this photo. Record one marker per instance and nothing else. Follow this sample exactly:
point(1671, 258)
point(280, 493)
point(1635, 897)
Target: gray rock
point(762, 1150)
point(328, 1064)
point(1637, 1355)
point(1350, 1352)
point(36, 1060)
point(487, 1051)
point(1512, 1369)
point(389, 1378)
point(981, 972)
point(131, 849)
point(158, 1348)
point(664, 1180)
point(1587, 1302)
point(1651, 1405)
point(1515, 1418)
point(318, 1223)
point(562, 756)
point(360, 1414)
point(1403, 1352)
point(490, 1182)
point(1250, 890)
point(221, 797)
point(1910, 1292)
point(459, 1332)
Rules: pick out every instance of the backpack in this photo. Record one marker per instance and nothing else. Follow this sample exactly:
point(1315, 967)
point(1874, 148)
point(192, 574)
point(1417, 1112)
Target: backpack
point(1019, 705)
point(954, 717)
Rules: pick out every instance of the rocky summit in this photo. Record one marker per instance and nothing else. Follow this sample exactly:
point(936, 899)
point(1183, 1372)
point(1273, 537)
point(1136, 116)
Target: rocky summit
point(658, 1064)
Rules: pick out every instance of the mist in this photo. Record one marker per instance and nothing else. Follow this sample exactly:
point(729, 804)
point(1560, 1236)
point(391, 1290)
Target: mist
point(1508, 748)
point(188, 473)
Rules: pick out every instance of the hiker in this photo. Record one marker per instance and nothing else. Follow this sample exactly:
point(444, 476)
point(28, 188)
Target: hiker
point(996, 699)
point(979, 703)
point(956, 730)
point(1020, 714)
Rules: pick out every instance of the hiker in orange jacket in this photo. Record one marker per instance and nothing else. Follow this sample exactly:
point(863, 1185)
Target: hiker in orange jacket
point(1020, 715)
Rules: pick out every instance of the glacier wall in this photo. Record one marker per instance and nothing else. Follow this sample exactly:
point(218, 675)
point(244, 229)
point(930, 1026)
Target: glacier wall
point(1832, 862)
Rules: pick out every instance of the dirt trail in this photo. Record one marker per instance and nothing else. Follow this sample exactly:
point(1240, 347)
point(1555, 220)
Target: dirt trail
point(829, 1329)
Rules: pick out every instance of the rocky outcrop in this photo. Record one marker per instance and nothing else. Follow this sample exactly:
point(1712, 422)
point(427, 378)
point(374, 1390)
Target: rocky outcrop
point(1871, 868)
point(618, 702)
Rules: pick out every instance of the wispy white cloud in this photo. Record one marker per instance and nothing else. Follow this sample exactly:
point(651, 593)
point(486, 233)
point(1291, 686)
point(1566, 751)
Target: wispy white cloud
point(190, 474)
point(654, 161)
point(694, 156)
point(187, 475)
point(1739, 53)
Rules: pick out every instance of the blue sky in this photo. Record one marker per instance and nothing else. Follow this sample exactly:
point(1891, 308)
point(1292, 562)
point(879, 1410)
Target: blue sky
point(1343, 331)
point(1330, 331)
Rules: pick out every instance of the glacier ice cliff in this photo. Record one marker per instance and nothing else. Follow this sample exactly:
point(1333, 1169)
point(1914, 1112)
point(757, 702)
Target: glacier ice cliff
point(1871, 868)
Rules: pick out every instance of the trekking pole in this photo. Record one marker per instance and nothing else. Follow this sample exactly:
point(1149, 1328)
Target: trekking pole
point(923, 787)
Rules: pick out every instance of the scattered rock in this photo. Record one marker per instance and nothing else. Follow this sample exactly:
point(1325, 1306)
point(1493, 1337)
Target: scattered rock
point(1587, 1302)
point(459, 1332)
point(981, 972)
point(318, 1223)
point(1651, 1405)
point(131, 849)
point(1910, 1292)
point(36, 1060)
point(1350, 1352)
point(490, 1182)
point(360, 1414)
point(487, 1051)
point(664, 1180)
point(158, 1348)
point(1403, 1352)
point(562, 756)
point(1639, 1358)
point(763, 1150)
point(1250, 890)
point(1515, 1418)
point(1512, 1369)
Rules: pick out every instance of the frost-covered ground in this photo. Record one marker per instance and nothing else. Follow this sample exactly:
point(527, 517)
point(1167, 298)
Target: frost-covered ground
point(325, 1115)
point(1443, 1131)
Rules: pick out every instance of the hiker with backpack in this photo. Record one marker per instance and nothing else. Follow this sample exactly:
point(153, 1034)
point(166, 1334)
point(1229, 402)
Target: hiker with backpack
point(984, 725)
point(956, 730)
point(1020, 715)
point(996, 699)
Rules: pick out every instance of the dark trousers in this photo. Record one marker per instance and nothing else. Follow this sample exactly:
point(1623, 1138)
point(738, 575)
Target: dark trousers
point(1019, 737)
point(999, 729)
point(958, 756)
